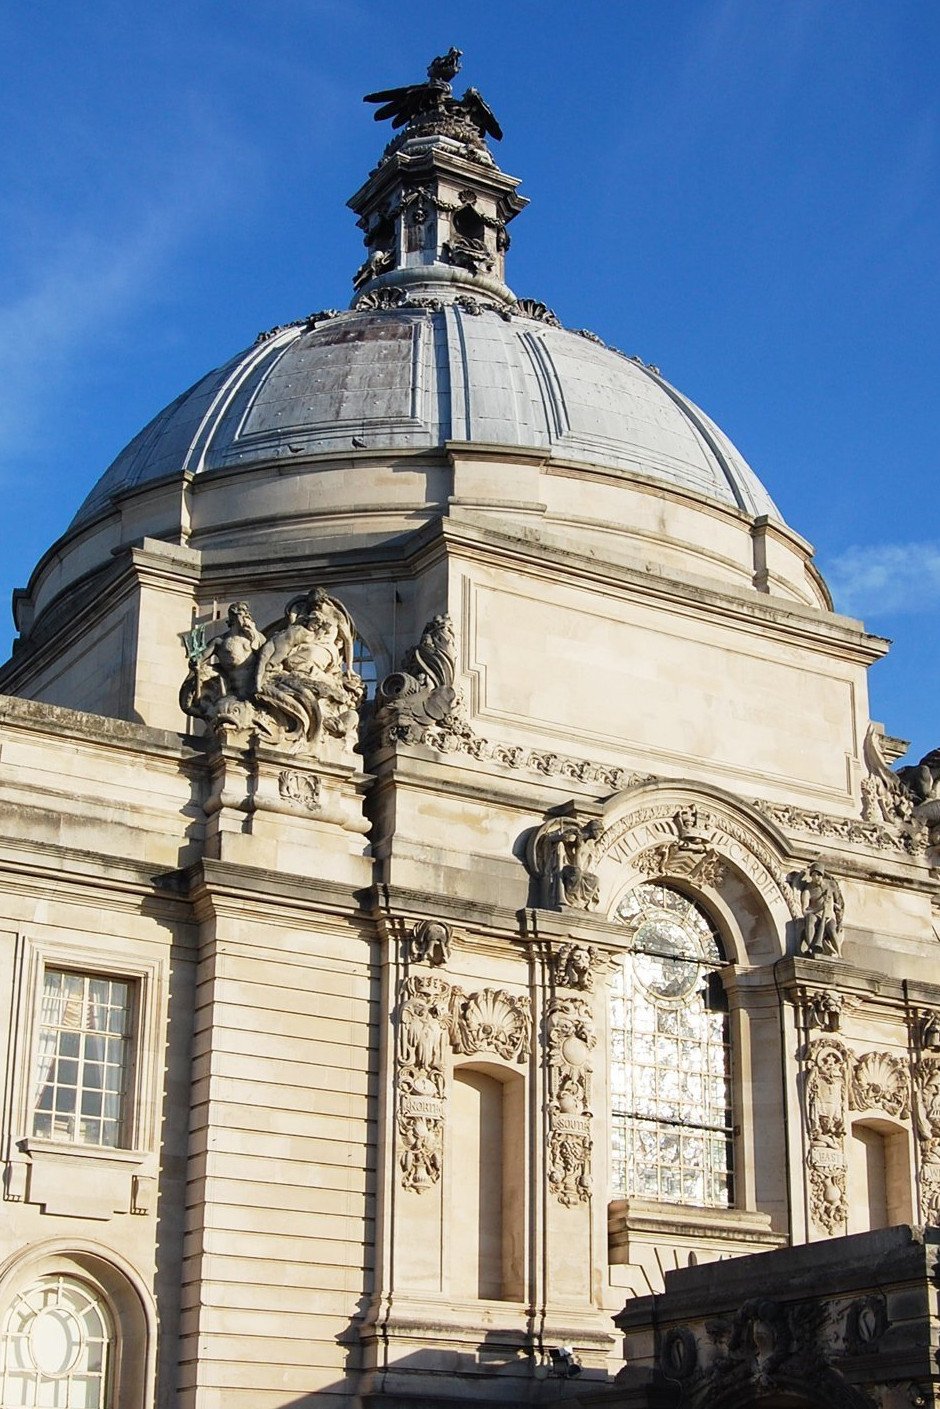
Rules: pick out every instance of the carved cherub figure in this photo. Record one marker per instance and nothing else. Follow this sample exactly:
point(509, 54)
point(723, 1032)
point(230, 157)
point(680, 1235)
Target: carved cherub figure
point(823, 910)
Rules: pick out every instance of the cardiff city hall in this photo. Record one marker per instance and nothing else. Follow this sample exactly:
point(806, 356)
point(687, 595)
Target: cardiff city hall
point(463, 938)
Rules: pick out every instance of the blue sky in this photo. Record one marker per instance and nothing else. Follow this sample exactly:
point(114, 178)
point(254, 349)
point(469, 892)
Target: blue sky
point(744, 192)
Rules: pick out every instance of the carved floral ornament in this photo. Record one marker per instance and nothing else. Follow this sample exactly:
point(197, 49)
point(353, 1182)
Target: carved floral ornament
point(435, 1017)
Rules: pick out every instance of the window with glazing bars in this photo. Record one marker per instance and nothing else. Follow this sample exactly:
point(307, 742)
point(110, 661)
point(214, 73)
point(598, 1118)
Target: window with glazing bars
point(83, 1058)
point(672, 1137)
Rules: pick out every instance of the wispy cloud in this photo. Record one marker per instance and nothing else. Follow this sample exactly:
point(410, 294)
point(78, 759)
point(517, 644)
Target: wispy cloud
point(883, 578)
point(77, 295)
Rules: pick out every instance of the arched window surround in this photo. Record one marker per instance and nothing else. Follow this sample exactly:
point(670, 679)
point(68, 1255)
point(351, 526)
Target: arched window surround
point(128, 1300)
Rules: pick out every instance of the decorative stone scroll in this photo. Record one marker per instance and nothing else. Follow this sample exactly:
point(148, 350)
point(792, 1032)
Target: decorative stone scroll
point(826, 1111)
point(823, 910)
point(561, 855)
point(571, 1037)
point(287, 691)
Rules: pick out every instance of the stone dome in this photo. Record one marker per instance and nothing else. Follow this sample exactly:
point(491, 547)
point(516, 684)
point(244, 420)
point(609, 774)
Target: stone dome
point(416, 378)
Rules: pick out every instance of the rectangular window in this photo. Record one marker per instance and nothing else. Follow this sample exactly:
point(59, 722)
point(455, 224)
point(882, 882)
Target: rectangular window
point(83, 1058)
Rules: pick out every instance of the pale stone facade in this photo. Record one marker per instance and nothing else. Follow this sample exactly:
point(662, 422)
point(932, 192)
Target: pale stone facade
point(362, 962)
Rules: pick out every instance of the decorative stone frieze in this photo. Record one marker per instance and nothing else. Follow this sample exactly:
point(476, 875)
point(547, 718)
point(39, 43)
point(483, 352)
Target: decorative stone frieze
point(571, 1037)
point(823, 910)
point(912, 842)
point(288, 691)
point(827, 1069)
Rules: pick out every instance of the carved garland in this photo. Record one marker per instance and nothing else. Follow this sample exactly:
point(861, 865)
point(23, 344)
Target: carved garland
point(570, 1036)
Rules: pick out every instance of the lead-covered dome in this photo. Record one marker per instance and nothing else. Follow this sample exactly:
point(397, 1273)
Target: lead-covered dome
point(415, 378)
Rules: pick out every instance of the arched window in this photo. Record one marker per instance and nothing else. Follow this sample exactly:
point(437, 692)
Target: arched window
point(57, 1348)
point(670, 1056)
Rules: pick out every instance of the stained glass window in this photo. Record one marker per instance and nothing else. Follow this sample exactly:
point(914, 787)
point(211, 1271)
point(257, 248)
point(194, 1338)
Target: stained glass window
point(82, 1058)
point(670, 1056)
point(56, 1348)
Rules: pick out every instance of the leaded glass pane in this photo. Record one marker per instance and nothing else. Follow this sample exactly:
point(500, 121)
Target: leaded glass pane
point(56, 1348)
point(670, 1056)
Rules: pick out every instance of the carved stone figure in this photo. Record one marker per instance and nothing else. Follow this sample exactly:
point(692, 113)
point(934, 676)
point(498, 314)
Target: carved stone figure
point(573, 966)
point(223, 671)
point(431, 105)
point(467, 253)
point(823, 911)
point(286, 691)
point(885, 797)
point(377, 263)
point(826, 1094)
point(419, 703)
point(429, 943)
point(492, 1020)
point(562, 854)
point(423, 1028)
point(927, 1030)
point(922, 781)
point(703, 865)
point(571, 1037)
point(822, 1009)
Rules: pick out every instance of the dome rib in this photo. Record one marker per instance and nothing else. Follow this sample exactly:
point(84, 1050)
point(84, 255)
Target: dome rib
point(416, 378)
